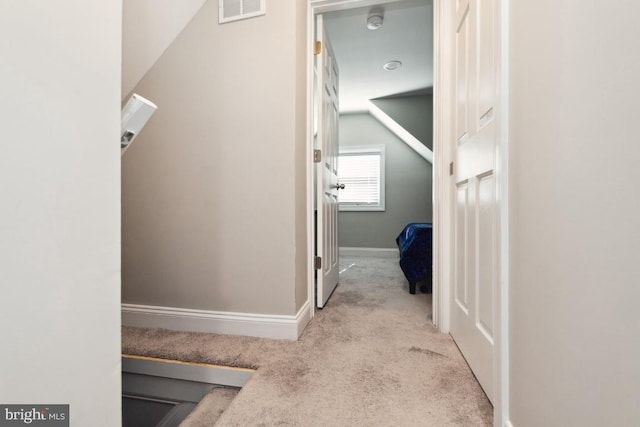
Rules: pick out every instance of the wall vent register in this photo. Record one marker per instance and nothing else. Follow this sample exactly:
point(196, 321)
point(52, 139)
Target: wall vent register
point(234, 10)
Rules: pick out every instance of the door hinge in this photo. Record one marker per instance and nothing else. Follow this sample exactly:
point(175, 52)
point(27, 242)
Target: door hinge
point(317, 47)
point(317, 156)
point(451, 169)
point(317, 262)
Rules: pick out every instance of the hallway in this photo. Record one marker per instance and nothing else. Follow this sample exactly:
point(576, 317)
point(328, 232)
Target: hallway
point(370, 357)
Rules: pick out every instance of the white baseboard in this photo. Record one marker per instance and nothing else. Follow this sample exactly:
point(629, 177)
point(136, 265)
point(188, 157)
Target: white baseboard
point(370, 252)
point(218, 322)
point(508, 424)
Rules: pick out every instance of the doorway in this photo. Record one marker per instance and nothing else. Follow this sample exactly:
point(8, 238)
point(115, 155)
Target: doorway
point(386, 129)
point(445, 42)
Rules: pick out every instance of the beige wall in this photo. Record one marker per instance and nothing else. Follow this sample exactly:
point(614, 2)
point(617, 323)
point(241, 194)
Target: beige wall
point(148, 28)
point(213, 188)
point(302, 257)
point(60, 216)
point(575, 238)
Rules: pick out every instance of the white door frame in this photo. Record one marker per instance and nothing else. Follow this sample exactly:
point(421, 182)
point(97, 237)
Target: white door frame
point(502, 408)
point(442, 203)
point(315, 7)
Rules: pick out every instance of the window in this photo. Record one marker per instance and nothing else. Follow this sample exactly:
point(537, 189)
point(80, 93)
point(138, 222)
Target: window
point(361, 170)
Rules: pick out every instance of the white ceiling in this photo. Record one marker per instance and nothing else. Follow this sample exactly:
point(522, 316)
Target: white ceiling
point(406, 36)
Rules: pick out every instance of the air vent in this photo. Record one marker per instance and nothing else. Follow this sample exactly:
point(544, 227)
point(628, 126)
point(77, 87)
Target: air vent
point(233, 10)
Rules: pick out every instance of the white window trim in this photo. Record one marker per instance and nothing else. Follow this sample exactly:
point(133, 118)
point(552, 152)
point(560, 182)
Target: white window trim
point(366, 149)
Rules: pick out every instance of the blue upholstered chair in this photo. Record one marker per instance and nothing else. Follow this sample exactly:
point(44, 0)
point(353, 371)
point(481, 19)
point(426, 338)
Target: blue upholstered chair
point(415, 246)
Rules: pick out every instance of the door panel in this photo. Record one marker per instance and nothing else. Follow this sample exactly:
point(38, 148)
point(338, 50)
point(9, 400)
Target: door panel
point(475, 242)
point(486, 255)
point(462, 77)
point(487, 65)
point(461, 246)
point(327, 168)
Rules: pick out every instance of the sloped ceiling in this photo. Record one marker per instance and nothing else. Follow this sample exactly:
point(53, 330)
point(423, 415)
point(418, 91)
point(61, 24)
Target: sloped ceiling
point(148, 28)
point(414, 112)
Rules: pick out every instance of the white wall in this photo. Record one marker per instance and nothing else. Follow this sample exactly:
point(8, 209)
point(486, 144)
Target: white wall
point(575, 243)
point(148, 28)
point(60, 216)
point(214, 187)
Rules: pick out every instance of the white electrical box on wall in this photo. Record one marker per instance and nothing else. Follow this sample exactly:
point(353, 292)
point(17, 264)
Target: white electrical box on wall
point(234, 10)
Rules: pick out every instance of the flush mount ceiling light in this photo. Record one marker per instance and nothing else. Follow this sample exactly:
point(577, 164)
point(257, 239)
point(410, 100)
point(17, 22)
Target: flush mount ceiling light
point(392, 65)
point(375, 18)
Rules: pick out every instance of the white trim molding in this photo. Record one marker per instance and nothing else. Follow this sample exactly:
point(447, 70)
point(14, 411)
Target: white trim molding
point(442, 203)
point(218, 322)
point(369, 252)
point(502, 411)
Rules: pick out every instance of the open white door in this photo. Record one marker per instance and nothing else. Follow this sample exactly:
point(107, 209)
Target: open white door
point(475, 257)
point(326, 166)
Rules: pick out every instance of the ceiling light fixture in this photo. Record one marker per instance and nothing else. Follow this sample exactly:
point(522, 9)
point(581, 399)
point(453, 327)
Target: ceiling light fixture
point(375, 18)
point(392, 65)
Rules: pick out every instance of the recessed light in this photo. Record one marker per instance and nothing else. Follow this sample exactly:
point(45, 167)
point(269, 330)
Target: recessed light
point(392, 65)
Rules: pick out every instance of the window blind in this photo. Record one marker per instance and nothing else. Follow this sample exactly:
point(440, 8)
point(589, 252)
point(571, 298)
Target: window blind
point(361, 175)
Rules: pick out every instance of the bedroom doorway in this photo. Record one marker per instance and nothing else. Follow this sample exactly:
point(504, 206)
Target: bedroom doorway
point(385, 112)
point(446, 77)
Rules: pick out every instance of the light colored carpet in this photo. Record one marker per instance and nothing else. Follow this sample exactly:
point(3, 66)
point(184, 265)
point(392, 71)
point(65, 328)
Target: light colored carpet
point(371, 357)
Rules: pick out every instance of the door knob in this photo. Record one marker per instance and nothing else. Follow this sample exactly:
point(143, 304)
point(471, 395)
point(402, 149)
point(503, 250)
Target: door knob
point(339, 186)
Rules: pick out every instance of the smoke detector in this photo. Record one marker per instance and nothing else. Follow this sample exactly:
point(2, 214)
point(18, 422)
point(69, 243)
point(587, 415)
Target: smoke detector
point(375, 18)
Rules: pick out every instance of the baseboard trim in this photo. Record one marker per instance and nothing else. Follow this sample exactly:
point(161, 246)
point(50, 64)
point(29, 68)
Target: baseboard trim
point(218, 322)
point(369, 252)
point(508, 424)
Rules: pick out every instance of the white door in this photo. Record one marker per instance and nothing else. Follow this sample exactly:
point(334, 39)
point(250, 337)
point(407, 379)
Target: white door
point(327, 167)
point(473, 311)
